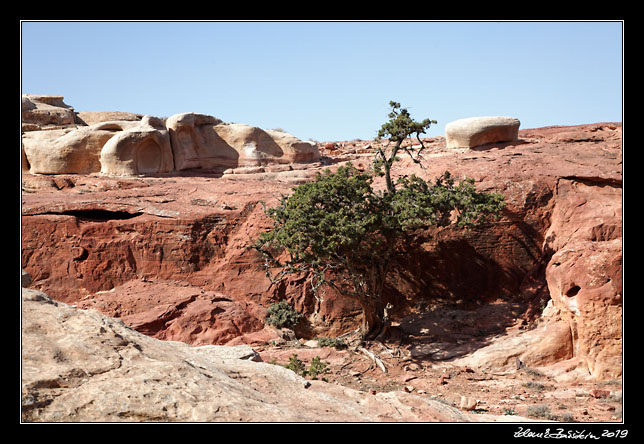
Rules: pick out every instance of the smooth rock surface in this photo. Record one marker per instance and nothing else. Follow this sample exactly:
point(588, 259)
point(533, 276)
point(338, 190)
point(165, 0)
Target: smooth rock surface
point(475, 131)
point(78, 365)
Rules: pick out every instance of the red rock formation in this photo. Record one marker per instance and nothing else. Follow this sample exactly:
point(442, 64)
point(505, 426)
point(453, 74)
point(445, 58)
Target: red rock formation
point(559, 238)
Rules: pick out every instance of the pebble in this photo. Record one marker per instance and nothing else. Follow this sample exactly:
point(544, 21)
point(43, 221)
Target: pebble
point(597, 393)
point(468, 403)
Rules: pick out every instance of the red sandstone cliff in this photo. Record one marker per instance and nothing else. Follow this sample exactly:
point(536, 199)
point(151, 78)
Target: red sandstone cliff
point(168, 254)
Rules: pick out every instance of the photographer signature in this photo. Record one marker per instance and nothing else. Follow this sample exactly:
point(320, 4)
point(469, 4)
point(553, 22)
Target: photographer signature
point(560, 433)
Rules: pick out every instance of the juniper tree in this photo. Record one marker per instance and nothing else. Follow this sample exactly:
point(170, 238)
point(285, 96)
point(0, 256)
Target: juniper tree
point(346, 235)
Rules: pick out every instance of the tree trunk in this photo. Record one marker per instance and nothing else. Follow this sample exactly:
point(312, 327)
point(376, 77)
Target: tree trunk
point(373, 321)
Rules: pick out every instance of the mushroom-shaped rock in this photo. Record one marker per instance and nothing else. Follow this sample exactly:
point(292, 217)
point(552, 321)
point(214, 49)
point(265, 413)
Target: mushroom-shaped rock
point(476, 131)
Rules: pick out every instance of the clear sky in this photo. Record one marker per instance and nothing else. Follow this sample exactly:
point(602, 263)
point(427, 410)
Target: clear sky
point(332, 80)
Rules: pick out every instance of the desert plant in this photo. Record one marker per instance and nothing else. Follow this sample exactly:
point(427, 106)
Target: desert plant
point(567, 417)
point(295, 364)
point(534, 386)
point(317, 367)
point(540, 411)
point(283, 315)
point(331, 342)
point(346, 235)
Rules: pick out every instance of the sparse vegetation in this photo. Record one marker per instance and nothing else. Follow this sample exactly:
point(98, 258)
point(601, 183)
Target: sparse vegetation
point(331, 342)
point(295, 364)
point(316, 368)
point(534, 386)
point(540, 411)
point(283, 315)
point(567, 417)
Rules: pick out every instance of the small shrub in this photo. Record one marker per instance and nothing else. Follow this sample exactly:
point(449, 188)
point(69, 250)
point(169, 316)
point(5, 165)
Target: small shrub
point(567, 417)
point(509, 411)
point(317, 367)
point(282, 315)
point(331, 342)
point(540, 411)
point(296, 364)
point(534, 386)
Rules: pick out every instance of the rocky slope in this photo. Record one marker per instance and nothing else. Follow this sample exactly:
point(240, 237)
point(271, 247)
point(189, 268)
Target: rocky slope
point(542, 288)
point(79, 365)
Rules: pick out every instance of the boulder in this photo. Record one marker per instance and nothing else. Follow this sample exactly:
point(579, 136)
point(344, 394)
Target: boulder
point(142, 149)
point(549, 343)
point(196, 144)
point(255, 147)
point(476, 131)
point(468, 403)
point(68, 151)
point(186, 313)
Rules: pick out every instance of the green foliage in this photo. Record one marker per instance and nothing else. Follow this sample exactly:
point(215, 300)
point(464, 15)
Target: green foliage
point(317, 366)
point(324, 217)
point(534, 386)
point(400, 124)
point(399, 127)
point(296, 364)
point(344, 234)
point(282, 315)
point(331, 342)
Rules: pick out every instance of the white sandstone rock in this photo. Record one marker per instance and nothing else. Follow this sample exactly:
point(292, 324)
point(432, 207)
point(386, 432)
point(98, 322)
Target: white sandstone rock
point(476, 131)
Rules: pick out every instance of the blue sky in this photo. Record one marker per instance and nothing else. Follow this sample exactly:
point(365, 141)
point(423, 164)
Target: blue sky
point(332, 80)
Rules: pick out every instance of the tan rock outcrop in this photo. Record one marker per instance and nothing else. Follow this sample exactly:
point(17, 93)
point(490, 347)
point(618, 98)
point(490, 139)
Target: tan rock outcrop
point(68, 151)
point(78, 365)
point(204, 142)
point(476, 131)
point(120, 144)
point(142, 149)
point(195, 143)
point(45, 111)
point(94, 117)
